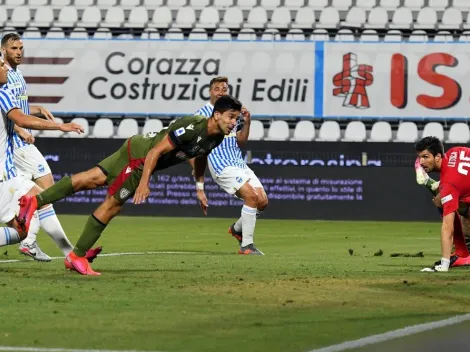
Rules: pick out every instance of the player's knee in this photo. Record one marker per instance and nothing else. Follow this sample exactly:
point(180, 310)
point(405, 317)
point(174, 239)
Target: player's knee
point(262, 201)
point(251, 198)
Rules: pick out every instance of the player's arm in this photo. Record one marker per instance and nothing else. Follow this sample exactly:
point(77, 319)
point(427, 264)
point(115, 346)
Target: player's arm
point(40, 110)
point(200, 165)
point(242, 135)
point(450, 203)
point(25, 135)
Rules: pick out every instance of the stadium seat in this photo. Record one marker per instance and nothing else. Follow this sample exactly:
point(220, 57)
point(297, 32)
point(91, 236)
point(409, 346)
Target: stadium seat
point(150, 33)
point(246, 4)
point(129, 4)
point(342, 5)
point(369, 35)
point(198, 34)
point(427, 19)
point(465, 37)
point(43, 18)
point(278, 131)
point(304, 131)
point(82, 4)
point(246, 34)
point(451, 19)
point(433, 129)
point(174, 34)
point(127, 128)
point(294, 4)
point(418, 36)
point(152, 4)
point(233, 18)
point(280, 18)
point(37, 3)
point(68, 16)
point(304, 18)
point(55, 33)
point(57, 3)
point(176, 4)
point(32, 32)
point(209, 18)
point(407, 132)
point(3, 16)
point(106, 4)
point(320, 35)
point(389, 5)
point(270, 4)
point(366, 4)
point(185, 18)
point(378, 18)
point(329, 132)
point(86, 127)
point(102, 33)
point(103, 128)
point(402, 19)
point(152, 125)
point(125, 36)
point(355, 132)
point(271, 34)
point(462, 5)
point(138, 18)
point(444, 37)
point(317, 4)
point(114, 18)
point(256, 131)
point(222, 34)
point(257, 18)
point(79, 33)
point(381, 132)
point(459, 133)
point(393, 35)
point(438, 5)
point(467, 22)
point(356, 18)
point(55, 134)
point(199, 4)
point(223, 4)
point(329, 18)
point(344, 35)
point(91, 17)
point(13, 3)
point(20, 17)
point(295, 34)
point(414, 5)
point(161, 18)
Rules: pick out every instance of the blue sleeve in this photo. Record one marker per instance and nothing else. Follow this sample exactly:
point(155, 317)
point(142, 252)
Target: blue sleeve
point(7, 101)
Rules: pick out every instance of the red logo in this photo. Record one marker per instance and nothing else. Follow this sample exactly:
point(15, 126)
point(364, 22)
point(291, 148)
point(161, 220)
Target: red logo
point(352, 82)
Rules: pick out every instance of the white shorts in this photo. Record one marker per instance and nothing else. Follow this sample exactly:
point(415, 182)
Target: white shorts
point(233, 178)
point(10, 192)
point(30, 163)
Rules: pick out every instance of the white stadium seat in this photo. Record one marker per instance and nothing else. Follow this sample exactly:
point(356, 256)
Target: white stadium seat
point(270, 4)
point(56, 33)
point(329, 132)
point(278, 131)
point(38, 3)
point(459, 133)
point(467, 21)
point(462, 5)
point(3, 16)
point(152, 4)
point(444, 37)
point(86, 127)
point(246, 34)
point(433, 129)
point(418, 36)
point(414, 5)
point(176, 4)
point(127, 128)
point(222, 34)
point(58, 3)
point(185, 18)
point(256, 131)
point(150, 33)
point(342, 5)
point(356, 17)
point(246, 4)
point(407, 132)
point(280, 18)
point(402, 19)
point(271, 34)
point(389, 5)
point(451, 19)
point(465, 37)
point(198, 34)
point(138, 18)
point(427, 19)
point(304, 131)
point(79, 33)
point(320, 35)
point(55, 134)
point(91, 17)
point(233, 18)
point(174, 34)
point(129, 4)
point(294, 4)
point(295, 34)
point(329, 18)
point(152, 125)
point(102, 33)
point(209, 18)
point(304, 18)
point(393, 35)
point(439, 5)
point(366, 4)
point(223, 4)
point(344, 35)
point(257, 18)
point(103, 128)
point(317, 4)
point(381, 132)
point(369, 35)
point(68, 16)
point(43, 18)
point(20, 16)
point(199, 4)
point(13, 3)
point(378, 18)
point(114, 18)
point(32, 32)
point(82, 4)
point(355, 132)
point(106, 4)
point(161, 18)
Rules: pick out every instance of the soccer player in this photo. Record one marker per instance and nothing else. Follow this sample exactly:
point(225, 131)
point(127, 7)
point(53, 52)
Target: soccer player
point(127, 172)
point(28, 159)
point(454, 187)
point(12, 185)
point(230, 172)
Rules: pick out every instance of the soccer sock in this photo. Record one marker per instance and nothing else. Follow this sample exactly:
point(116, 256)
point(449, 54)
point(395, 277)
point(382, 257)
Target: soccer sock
point(51, 224)
point(33, 230)
point(9, 236)
point(459, 239)
point(238, 225)
point(248, 224)
point(59, 190)
point(91, 233)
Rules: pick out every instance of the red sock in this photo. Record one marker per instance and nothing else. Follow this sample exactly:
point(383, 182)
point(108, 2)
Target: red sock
point(459, 239)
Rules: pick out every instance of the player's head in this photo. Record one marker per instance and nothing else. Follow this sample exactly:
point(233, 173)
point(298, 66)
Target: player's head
point(226, 111)
point(218, 87)
point(430, 151)
point(12, 49)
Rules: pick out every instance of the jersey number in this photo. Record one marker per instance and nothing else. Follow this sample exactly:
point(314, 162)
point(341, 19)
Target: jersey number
point(464, 164)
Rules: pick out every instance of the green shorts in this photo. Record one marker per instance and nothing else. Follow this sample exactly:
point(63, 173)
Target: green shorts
point(123, 173)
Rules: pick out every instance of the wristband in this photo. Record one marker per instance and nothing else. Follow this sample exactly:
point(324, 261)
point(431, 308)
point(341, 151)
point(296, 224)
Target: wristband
point(200, 186)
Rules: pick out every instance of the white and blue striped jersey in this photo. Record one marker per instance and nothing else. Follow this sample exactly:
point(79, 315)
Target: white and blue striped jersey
point(7, 165)
point(16, 85)
point(228, 153)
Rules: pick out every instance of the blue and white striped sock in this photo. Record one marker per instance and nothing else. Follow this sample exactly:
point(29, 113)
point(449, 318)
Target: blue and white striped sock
point(8, 236)
point(51, 224)
point(248, 224)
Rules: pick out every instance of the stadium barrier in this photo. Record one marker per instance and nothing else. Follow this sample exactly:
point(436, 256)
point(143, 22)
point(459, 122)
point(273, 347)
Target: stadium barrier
point(280, 78)
point(337, 181)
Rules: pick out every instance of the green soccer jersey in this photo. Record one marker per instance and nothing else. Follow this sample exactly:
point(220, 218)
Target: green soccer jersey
point(188, 135)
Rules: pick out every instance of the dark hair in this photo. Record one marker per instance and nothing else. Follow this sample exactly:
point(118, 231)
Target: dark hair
point(227, 102)
point(10, 37)
point(220, 79)
point(431, 144)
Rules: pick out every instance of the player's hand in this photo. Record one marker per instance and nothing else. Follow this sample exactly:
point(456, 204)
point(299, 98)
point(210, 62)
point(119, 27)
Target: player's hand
point(141, 193)
point(201, 196)
point(46, 113)
point(437, 201)
point(26, 136)
point(246, 115)
point(71, 127)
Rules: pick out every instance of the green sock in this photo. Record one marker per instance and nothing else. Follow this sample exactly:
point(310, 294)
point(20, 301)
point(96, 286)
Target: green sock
point(90, 235)
point(60, 190)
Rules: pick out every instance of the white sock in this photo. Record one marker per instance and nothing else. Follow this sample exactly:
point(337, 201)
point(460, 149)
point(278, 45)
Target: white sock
point(238, 225)
point(51, 224)
point(9, 236)
point(33, 230)
point(248, 224)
